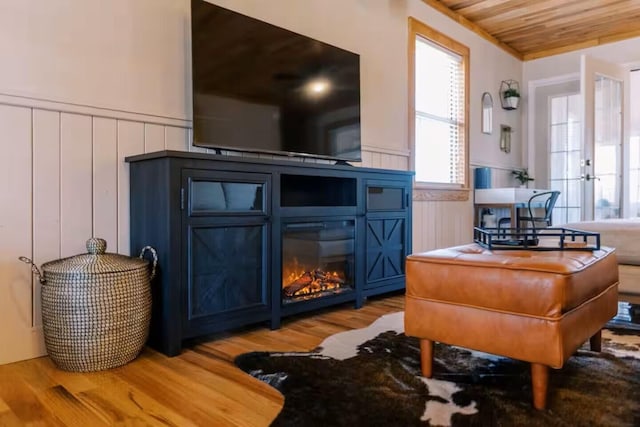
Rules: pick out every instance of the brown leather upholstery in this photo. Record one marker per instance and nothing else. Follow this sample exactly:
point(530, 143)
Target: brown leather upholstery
point(536, 306)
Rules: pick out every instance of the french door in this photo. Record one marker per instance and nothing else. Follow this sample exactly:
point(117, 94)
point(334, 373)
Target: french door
point(586, 143)
point(601, 92)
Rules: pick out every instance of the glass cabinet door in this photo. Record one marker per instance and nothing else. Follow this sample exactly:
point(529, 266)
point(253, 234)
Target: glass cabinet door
point(384, 198)
point(227, 244)
point(215, 196)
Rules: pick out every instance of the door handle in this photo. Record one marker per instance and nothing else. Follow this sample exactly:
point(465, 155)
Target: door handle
point(589, 177)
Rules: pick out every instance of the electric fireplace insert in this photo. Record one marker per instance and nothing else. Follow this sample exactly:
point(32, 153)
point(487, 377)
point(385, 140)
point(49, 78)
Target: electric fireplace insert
point(317, 259)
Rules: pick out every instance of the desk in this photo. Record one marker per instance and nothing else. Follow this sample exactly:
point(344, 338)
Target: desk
point(501, 198)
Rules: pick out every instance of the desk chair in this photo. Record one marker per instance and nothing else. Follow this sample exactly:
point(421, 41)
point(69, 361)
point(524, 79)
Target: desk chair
point(546, 199)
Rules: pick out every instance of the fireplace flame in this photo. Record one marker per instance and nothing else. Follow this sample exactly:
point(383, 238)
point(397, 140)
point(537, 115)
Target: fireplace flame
point(307, 282)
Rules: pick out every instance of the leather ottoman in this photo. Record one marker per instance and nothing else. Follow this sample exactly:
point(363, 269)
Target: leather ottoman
point(535, 306)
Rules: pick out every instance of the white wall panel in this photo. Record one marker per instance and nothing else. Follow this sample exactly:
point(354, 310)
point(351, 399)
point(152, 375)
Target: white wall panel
point(105, 180)
point(376, 160)
point(454, 229)
point(16, 333)
point(388, 159)
point(441, 225)
point(130, 142)
point(417, 234)
point(176, 138)
point(381, 158)
point(366, 159)
point(76, 210)
point(153, 138)
point(63, 180)
point(46, 193)
point(423, 227)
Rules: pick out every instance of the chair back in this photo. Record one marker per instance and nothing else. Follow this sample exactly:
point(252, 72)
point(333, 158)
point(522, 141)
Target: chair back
point(550, 198)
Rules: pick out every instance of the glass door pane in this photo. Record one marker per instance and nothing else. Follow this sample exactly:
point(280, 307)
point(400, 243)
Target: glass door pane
point(607, 147)
point(565, 154)
point(601, 91)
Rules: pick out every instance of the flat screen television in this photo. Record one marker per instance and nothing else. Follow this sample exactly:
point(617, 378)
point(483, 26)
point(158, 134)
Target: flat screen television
point(261, 88)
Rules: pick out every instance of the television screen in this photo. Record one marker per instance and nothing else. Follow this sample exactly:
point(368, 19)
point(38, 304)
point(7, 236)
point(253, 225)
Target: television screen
point(261, 88)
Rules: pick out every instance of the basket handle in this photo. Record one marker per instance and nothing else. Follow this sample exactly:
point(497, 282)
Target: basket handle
point(34, 268)
point(155, 259)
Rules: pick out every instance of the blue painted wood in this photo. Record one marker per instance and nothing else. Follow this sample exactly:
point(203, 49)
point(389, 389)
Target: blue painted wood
point(220, 260)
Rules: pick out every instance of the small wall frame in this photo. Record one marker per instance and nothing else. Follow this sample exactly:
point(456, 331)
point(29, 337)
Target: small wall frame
point(487, 113)
point(505, 138)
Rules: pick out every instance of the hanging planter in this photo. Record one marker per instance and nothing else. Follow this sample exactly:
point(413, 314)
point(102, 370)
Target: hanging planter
point(512, 99)
point(510, 94)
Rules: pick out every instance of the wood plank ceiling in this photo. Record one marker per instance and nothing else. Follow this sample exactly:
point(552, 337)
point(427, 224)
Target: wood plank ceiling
point(531, 29)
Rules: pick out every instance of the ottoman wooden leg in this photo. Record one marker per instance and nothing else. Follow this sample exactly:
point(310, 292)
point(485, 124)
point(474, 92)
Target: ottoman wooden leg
point(596, 341)
point(426, 357)
point(539, 381)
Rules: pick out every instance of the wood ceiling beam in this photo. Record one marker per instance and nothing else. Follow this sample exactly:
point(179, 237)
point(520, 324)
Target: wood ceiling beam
point(530, 29)
point(582, 45)
point(573, 35)
point(484, 8)
point(435, 4)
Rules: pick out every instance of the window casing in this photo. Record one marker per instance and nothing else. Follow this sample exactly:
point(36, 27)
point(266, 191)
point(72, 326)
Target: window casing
point(438, 93)
point(634, 145)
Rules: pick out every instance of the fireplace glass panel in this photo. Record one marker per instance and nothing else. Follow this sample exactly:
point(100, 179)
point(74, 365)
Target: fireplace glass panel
point(317, 259)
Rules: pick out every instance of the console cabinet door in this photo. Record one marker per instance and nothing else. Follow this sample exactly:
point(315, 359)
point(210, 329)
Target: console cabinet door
point(227, 240)
point(387, 234)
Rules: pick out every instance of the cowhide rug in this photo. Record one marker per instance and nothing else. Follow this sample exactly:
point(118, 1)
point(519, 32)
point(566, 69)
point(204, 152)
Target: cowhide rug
point(371, 377)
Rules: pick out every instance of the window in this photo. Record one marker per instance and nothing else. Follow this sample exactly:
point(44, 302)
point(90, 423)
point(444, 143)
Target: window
point(634, 145)
point(438, 75)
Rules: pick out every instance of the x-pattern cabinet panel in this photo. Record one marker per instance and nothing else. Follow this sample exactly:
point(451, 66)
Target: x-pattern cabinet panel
point(388, 234)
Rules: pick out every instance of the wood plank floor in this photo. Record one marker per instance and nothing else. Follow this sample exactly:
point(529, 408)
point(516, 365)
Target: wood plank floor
point(200, 387)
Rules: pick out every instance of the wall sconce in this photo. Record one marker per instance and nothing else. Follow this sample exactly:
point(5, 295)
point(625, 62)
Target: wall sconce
point(505, 138)
point(509, 94)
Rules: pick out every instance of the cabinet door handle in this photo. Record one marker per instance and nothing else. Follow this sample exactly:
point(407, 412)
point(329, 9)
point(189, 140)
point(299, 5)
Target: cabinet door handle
point(182, 199)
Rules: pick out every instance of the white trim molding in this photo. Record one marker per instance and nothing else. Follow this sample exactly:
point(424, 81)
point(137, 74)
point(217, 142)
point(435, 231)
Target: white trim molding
point(87, 110)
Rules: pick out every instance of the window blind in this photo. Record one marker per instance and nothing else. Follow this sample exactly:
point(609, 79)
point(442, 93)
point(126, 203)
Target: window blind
point(439, 105)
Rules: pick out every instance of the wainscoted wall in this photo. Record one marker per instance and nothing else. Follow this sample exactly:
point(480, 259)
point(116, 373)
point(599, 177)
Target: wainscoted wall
point(441, 224)
point(64, 180)
point(383, 158)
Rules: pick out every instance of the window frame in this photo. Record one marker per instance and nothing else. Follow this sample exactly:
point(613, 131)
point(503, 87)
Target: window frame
point(432, 190)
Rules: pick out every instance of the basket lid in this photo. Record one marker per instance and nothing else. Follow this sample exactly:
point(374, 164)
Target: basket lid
point(95, 261)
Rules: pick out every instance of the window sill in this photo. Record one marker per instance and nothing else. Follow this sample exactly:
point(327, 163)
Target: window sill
point(430, 194)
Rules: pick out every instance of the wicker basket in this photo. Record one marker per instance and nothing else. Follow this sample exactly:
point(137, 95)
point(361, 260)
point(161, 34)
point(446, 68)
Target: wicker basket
point(96, 307)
